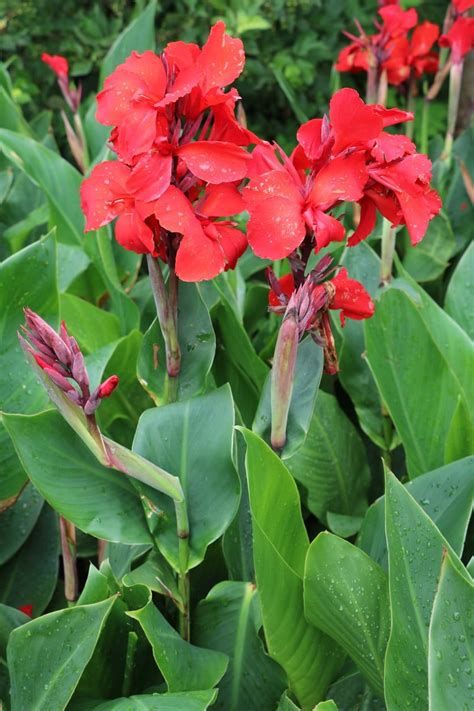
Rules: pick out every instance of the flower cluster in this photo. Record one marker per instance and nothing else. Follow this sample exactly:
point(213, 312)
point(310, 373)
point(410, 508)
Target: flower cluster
point(459, 30)
point(346, 157)
point(392, 49)
point(61, 360)
point(181, 156)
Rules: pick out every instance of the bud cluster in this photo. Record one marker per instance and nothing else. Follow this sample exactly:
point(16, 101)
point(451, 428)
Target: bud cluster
point(60, 358)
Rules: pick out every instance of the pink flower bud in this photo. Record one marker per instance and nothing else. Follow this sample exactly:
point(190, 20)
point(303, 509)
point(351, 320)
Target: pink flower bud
point(283, 371)
point(108, 386)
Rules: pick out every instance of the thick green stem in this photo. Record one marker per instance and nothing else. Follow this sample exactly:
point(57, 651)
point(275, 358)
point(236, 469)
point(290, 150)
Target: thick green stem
point(425, 119)
point(388, 250)
point(411, 105)
point(372, 85)
point(129, 663)
point(83, 141)
point(183, 557)
point(166, 309)
point(68, 547)
point(455, 78)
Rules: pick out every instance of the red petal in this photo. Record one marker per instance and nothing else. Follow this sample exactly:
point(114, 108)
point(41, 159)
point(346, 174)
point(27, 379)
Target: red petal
point(309, 137)
point(276, 227)
point(397, 21)
point(327, 229)
point(102, 193)
point(137, 133)
point(198, 257)
point(221, 201)
point(149, 68)
point(352, 121)
point(215, 161)
point(113, 102)
point(389, 147)
point(287, 287)
point(173, 210)
point(151, 176)
point(343, 178)
point(60, 67)
point(233, 243)
point(423, 38)
point(390, 117)
point(368, 219)
point(460, 38)
point(186, 80)
point(404, 175)
point(272, 184)
point(133, 234)
point(351, 297)
point(222, 59)
point(262, 160)
point(418, 211)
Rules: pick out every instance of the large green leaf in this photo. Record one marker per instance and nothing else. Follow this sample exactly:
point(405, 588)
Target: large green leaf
point(431, 257)
point(346, 596)
point(332, 463)
point(458, 301)
point(47, 656)
point(28, 278)
point(12, 474)
point(17, 522)
point(185, 701)
point(193, 440)
point(58, 179)
point(11, 116)
point(198, 344)
point(98, 500)
point(184, 666)
point(445, 494)
point(418, 379)
point(309, 658)
point(308, 372)
point(138, 36)
point(92, 327)
point(451, 640)
point(415, 551)
point(10, 618)
point(229, 620)
point(30, 576)
point(354, 373)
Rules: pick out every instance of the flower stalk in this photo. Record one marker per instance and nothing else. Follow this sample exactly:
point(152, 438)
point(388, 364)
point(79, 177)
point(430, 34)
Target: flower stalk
point(167, 312)
point(388, 250)
point(283, 371)
point(69, 555)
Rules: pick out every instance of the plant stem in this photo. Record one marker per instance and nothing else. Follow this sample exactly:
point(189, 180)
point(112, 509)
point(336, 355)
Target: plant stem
point(424, 126)
point(282, 377)
point(183, 556)
point(372, 85)
point(455, 78)
point(68, 546)
point(82, 139)
point(166, 309)
point(388, 249)
point(411, 105)
point(129, 663)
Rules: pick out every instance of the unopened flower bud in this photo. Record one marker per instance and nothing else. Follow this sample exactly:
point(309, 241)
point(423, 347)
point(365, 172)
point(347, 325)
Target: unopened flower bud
point(283, 371)
point(108, 386)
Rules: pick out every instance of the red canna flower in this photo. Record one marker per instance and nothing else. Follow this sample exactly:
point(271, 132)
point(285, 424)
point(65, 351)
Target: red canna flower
point(27, 610)
point(181, 156)
point(57, 63)
point(463, 5)
point(460, 38)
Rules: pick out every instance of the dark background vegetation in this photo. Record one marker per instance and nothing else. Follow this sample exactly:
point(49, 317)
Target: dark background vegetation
point(290, 45)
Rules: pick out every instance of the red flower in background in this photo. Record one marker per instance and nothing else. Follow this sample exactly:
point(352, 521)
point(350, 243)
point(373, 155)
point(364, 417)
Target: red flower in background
point(460, 38)
point(57, 63)
point(27, 610)
point(177, 138)
point(391, 49)
point(463, 5)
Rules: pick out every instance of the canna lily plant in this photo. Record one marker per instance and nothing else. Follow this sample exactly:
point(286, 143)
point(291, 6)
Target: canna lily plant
point(208, 462)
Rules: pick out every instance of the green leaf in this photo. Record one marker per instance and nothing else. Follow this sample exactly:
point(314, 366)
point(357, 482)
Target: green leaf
point(362, 264)
point(286, 704)
point(121, 557)
point(326, 706)
point(451, 640)
point(446, 497)
point(186, 701)
point(193, 440)
point(240, 364)
point(47, 656)
point(309, 658)
point(308, 372)
point(415, 551)
point(92, 327)
point(12, 474)
point(198, 344)
point(332, 463)
point(57, 178)
point(229, 620)
point(29, 578)
point(155, 574)
point(10, 618)
point(431, 257)
point(290, 95)
point(346, 596)
point(184, 666)
point(17, 522)
point(138, 36)
point(460, 437)
point(28, 278)
point(458, 302)
point(72, 261)
point(98, 500)
point(11, 116)
point(418, 379)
